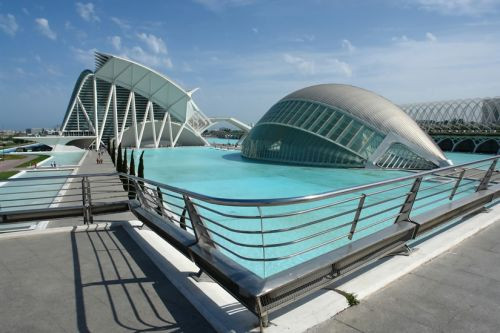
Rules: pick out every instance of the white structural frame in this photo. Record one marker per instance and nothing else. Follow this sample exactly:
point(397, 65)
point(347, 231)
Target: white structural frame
point(157, 88)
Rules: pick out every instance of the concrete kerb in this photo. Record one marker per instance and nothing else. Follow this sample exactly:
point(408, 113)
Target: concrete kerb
point(40, 232)
point(225, 314)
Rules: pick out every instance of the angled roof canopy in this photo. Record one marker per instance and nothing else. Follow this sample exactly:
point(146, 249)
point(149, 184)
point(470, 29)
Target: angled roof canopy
point(144, 81)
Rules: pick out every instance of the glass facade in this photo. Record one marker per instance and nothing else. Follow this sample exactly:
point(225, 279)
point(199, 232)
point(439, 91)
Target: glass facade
point(398, 156)
point(311, 133)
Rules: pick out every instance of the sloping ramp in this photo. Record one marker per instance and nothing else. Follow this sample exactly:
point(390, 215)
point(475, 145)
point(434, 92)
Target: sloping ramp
point(241, 125)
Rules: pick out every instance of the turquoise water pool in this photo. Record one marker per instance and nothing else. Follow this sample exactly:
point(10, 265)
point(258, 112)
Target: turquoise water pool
point(40, 192)
point(222, 141)
point(225, 174)
point(65, 158)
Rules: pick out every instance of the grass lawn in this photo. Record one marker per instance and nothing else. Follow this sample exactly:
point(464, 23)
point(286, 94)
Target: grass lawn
point(7, 174)
point(37, 159)
point(9, 157)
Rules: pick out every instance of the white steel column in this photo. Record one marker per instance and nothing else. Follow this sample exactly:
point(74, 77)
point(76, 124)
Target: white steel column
point(124, 121)
point(96, 120)
point(69, 115)
point(77, 117)
point(134, 121)
point(179, 133)
point(144, 122)
point(157, 141)
point(108, 102)
point(170, 130)
point(85, 114)
point(115, 116)
point(152, 119)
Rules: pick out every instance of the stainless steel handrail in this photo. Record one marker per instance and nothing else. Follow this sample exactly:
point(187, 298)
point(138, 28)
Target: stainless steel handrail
point(306, 198)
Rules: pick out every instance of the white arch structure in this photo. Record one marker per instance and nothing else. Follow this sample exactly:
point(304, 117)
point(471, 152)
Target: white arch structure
point(123, 98)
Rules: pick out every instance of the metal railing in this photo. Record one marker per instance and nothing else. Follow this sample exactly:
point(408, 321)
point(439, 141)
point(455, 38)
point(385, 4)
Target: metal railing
point(269, 235)
point(268, 252)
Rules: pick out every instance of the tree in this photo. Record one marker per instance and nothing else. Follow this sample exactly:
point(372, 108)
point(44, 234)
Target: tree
point(140, 169)
point(132, 165)
point(131, 184)
point(112, 152)
point(119, 159)
point(108, 146)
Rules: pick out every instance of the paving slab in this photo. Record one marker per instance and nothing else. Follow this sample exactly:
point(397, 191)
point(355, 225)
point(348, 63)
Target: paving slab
point(94, 281)
point(458, 291)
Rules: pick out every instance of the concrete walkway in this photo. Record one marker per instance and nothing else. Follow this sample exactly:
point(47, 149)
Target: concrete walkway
point(105, 192)
point(458, 291)
point(87, 281)
point(12, 164)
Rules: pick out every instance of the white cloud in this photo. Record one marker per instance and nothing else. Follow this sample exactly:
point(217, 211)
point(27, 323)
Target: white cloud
point(401, 39)
point(155, 44)
point(152, 60)
point(318, 64)
point(121, 23)
point(8, 24)
point(460, 7)
point(304, 38)
point(87, 11)
point(156, 54)
point(302, 65)
point(347, 45)
point(44, 28)
point(116, 41)
point(86, 57)
point(431, 37)
point(218, 5)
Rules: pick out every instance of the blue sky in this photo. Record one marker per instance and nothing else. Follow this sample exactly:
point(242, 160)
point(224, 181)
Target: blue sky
point(244, 55)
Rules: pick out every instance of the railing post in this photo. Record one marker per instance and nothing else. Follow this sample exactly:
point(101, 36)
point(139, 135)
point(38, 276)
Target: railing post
point(456, 184)
point(200, 231)
point(262, 240)
point(89, 201)
point(356, 216)
point(86, 201)
point(487, 176)
point(404, 213)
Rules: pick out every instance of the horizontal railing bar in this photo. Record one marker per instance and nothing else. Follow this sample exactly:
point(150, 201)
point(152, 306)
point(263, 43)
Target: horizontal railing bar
point(467, 189)
point(389, 189)
point(300, 226)
point(273, 216)
point(442, 176)
point(422, 189)
point(415, 208)
point(81, 175)
point(272, 245)
point(380, 212)
point(433, 194)
point(378, 222)
point(47, 197)
point(34, 191)
point(29, 185)
point(384, 201)
point(308, 198)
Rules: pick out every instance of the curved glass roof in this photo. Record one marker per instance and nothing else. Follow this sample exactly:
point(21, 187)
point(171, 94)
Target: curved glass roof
point(353, 126)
